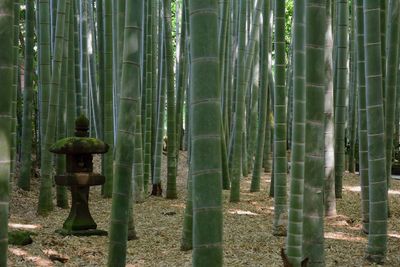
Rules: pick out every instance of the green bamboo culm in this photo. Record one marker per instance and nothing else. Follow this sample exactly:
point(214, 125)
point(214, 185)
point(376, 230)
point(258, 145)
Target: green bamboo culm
point(352, 118)
point(187, 231)
point(7, 76)
point(77, 65)
point(206, 165)
point(61, 191)
point(53, 17)
point(108, 100)
point(377, 238)
point(224, 57)
point(149, 96)
point(267, 165)
point(280, 160)
point(138, 185)
point(26, 138)
point(94, 93)
point(362, 119)
point(171, 192)
point(255, 181)
point(84, 71)
point(252, 40)
point(128, 108)
point(156, 180)
point(181, 67)
point(118, 48)
point(154, 83)
point(252, 90)
point(330, 198)
point(71, 96)
point(236, 164)
point(313, 206)
point(45, 204)
point(295, 224)
point(391, 81)
point(341, 91)
point(383, 17)
point(15, 85)
point(101, 68)
point(44, 59)
point(253, 118)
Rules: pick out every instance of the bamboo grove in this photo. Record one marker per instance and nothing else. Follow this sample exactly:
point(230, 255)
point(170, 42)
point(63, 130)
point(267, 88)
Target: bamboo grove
point(302, 90)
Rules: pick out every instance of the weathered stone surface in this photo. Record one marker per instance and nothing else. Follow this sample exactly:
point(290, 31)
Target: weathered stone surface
point(79, 177)
point(79, 145)
point(88, 232)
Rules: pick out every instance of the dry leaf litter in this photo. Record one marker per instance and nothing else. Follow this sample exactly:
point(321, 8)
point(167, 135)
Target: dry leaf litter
point(247, 229)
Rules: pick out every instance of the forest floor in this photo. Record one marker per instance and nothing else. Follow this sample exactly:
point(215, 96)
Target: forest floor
point(248, 239)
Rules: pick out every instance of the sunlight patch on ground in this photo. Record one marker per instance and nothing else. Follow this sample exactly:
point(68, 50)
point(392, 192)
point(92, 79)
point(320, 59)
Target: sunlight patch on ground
point(344, 236)
point(181, 206)
point(358, 189)
point(24, 226)
point(352, 188)
point(394, 192)
point(339, 223)
point(242, 212)
point(54, 255)
point(38, 261)
point(394, 234)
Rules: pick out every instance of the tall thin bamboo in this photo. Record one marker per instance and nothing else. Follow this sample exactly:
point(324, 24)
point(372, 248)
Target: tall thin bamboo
point(330, 198)
point(101, 67)
point(294, 248)
point(44, 59)
point(149, 95)
point(15, 85)
point(138, 183)
point(171, 192)
point(391, 81)
point(383, 19)
point(159, 132)
point(236, 165)
point(254, 108)
point(7, 74)
point(26, 140)
point(77, 65)
point(341, 91)
point(45, 204)
point(377, 238)
point(61, 191)
point(280, 158)
point(95, 107)
point(362, 119)
point(206, 137)
point(313, 207)
point(84, 72)
point(128, 108)
point(263, 103)
point(71, 96)
point(187, 231)
point(352, 118)
point(108, 100)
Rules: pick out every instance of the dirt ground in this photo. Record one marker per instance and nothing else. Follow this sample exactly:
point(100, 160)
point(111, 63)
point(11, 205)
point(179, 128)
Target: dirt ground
point(248, 239)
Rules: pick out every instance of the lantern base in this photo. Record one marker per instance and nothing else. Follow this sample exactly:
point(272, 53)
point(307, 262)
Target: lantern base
point(89, 232)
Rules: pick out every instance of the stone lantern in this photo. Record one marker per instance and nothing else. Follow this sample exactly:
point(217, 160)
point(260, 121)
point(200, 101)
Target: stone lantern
point(79, 177)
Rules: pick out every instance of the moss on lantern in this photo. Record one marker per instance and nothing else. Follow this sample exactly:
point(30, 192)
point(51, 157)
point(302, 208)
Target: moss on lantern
point(77, 145)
